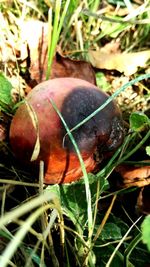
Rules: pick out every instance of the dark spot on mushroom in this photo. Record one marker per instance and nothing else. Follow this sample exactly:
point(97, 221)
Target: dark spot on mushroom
point(104, 129)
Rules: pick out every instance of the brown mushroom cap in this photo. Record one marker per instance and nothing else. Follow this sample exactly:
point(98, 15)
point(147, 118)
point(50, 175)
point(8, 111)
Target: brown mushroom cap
point(75, 99)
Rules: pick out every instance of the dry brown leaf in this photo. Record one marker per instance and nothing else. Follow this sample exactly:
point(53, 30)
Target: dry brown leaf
point(127, 63)
point(2, 132)
point(143, 200)
point(111, 47)
point(35, 33)
point(134, 176)
point(66, 67)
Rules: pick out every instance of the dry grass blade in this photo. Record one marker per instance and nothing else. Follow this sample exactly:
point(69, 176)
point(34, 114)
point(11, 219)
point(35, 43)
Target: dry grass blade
point(24, 208)
point(36, 126)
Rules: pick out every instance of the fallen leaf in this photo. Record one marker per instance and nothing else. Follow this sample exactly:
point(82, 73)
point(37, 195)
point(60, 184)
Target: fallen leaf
point(35, 33)
point(66, 67)
point(111, 47)
point(134, 176)
point(127, 63)
point(143, 200)
point(2, 132)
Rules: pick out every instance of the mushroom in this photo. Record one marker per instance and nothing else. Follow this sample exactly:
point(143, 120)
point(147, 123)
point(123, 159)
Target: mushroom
point(75, 99)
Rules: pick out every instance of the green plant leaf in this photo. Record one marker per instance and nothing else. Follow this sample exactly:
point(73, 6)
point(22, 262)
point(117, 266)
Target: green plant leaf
point(138, 121)
point(110, 232)
point(5, 94)
point(73, 200)
point(146, 231)
point(148, 150)
point(102, 82)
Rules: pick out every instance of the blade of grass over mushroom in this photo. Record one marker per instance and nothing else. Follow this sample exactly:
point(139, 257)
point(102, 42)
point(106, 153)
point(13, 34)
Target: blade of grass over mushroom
point(87, 187)
point(111, 98)
point(106, 171)
point(137, 122)
point(36, 126)
point(113, 162)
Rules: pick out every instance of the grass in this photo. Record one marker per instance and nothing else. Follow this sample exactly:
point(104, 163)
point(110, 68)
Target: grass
point(87, 223)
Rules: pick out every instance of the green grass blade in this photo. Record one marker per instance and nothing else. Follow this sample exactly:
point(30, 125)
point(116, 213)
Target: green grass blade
point(87, 187)
point(111, 98)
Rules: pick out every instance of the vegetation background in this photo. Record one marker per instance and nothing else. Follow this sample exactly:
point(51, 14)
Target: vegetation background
point(103, 219)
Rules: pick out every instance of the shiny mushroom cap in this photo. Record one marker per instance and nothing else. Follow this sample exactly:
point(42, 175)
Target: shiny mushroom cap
point(75, 99)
